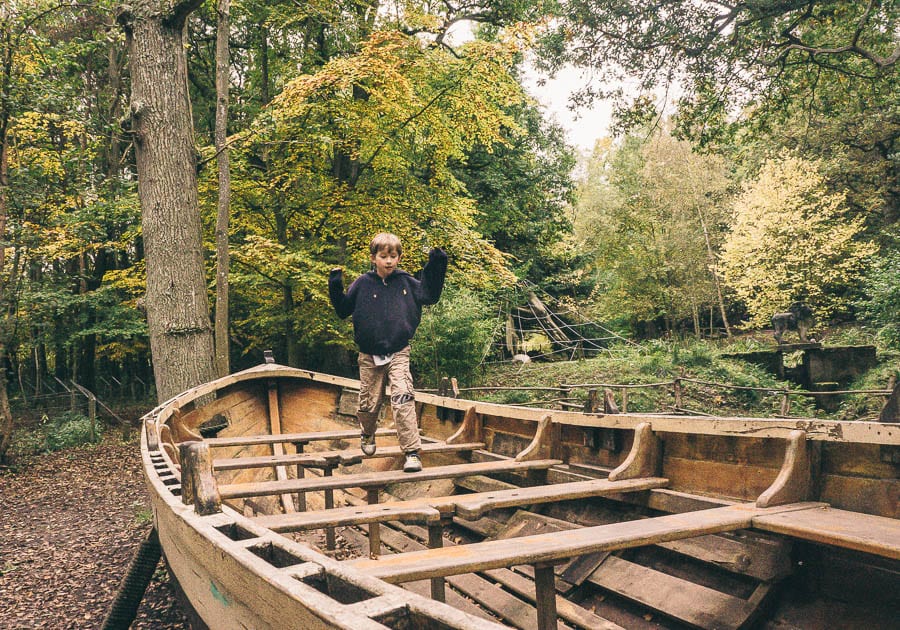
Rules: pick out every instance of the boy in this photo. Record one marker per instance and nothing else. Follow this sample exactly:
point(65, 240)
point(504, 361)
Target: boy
point(386, 304)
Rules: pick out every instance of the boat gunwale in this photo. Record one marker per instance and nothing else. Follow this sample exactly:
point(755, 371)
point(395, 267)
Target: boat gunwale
point(841, 431)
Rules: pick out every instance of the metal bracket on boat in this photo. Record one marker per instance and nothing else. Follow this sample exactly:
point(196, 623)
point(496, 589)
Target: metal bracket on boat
point(152, 436)
point(198, 486)
point(644, 459)
point(471, 429)
point(545, 444)
point(794, 480)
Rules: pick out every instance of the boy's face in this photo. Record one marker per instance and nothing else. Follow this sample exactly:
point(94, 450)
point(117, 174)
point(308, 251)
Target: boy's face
point(385, 261)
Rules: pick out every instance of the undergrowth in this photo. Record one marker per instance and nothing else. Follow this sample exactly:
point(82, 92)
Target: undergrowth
point(661, 361)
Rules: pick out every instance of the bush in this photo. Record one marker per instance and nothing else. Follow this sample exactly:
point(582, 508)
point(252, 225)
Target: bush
point(881, 304)
point(68, 430)
point(454, 337)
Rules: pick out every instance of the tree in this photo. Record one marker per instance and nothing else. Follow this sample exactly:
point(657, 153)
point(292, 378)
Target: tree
point(648, 214)
point(523, 188)
point(791, 241)
point(176, 301)
point(224, 201)
point(726, 53)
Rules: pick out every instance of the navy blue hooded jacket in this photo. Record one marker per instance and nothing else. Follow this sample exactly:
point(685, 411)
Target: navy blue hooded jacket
point(386, 312)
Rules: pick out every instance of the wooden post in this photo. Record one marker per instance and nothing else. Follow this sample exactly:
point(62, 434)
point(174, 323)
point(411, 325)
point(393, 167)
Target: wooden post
point(676, 386)
point(301, 473)
point(624, 400)
point(374, 526)
point(329, 504)
point(152, 436)
point(592, 404)
point(92, 414)
point(436, 541)
point(545, 596)
point(187, 473)
point(198, 485)
point(785, 404)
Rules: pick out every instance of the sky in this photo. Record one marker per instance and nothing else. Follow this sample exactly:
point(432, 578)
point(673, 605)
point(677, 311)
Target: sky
point(584, 126)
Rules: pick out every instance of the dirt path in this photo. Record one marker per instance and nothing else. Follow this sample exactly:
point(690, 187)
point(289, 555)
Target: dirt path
point(69, 525)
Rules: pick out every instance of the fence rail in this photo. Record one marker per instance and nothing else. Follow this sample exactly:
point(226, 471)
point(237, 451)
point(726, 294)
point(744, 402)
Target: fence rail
point(594, 402)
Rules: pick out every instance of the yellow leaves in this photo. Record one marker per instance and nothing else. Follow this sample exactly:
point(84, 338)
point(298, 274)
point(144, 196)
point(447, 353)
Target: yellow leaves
point(791, 241)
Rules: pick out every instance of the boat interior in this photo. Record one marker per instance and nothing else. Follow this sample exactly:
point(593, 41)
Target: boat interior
point(532, 518)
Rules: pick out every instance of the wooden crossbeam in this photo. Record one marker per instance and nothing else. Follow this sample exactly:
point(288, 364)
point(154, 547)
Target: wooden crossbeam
point(379, 479)
point(558, 546)
point(344, 457)
point(312, 436)
point(877, 535)
point(475, 506)
point(470, 506)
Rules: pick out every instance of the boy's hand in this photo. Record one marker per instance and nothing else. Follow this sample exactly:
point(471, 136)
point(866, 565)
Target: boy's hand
point(336, 275)
point(436, 253)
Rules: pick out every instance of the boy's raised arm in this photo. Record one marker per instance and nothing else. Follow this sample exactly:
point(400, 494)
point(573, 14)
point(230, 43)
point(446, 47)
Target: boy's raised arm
point(342, 304)
point(433, 276)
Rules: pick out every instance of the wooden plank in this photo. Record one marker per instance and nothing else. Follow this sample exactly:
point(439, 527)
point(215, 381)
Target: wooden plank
point(475, 506)
point(367, 480)
point(858, 494)
point(559, 546)
point(309, 436)
point(344, 457)
point(428, 509)
point(513, 610)
point(278, 447)
point(829, 526)
point(573, 613)
point(415, 510)
point(692, 603)
point(752, 555)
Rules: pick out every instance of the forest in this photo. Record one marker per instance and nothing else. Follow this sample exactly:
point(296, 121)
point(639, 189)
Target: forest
point(177, 177)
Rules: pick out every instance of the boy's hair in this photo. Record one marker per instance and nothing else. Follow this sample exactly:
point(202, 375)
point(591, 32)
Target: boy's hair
point(385, 240)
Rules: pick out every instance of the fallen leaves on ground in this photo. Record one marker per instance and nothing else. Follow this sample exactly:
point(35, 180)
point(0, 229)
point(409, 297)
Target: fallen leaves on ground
point(70, 523)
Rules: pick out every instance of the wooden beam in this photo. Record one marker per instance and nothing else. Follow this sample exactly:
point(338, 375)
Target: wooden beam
point(644, 460)
point(876, 535)
point(556, 546)
point(429, 510)
point(365, 480)
point(475, 506)
point(471, 429)
point(545, 443)
point(152, 435)
point(793, 481)
point(346, 457)
point(198, 486)
point(287, 501)
point(313, 436)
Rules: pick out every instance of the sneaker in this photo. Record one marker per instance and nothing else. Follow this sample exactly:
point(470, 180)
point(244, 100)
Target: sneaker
point(412, 463)
point(367, 444)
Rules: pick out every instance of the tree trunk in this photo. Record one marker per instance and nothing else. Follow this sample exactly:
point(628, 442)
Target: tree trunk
point(176, 301)
point(222, 216)
point(714, 269)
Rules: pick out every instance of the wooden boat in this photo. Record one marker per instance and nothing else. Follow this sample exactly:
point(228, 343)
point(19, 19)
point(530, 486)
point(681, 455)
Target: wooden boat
point(521, 517)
